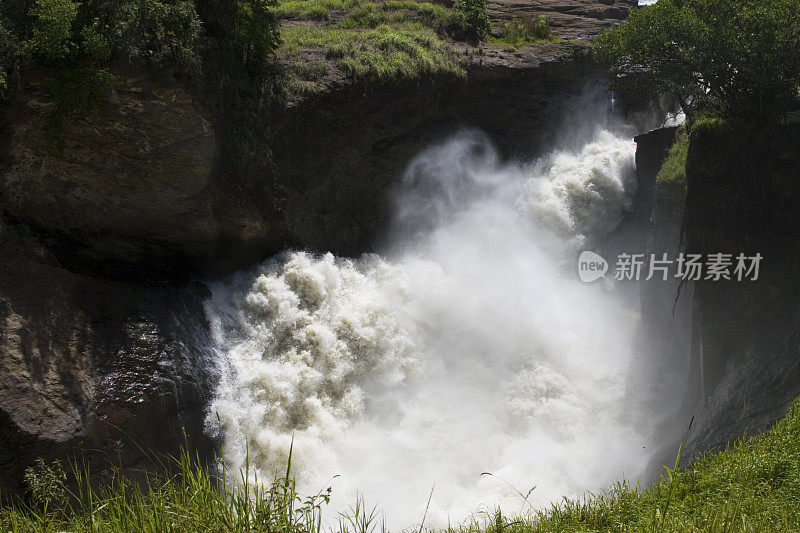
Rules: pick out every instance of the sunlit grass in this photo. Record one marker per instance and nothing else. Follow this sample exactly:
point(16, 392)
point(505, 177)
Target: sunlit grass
point(384, 52)
point(752, 486)
point(312, 9)
point(673, 170)
point(192, 500)
point(391, 39)
point(518, 32)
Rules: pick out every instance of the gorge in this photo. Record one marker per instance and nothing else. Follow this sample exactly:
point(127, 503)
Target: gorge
point(394, 294)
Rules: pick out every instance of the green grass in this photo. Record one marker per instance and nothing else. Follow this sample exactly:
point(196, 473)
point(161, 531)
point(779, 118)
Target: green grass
point(517, 32)
point(673, 170)
point(407, 50)
point(372, 40)
point(370, 14)
point(190, 501)
point(312, 9)
point(752, 486)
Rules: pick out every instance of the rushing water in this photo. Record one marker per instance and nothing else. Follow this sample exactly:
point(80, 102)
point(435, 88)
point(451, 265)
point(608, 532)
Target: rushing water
point(468, 346)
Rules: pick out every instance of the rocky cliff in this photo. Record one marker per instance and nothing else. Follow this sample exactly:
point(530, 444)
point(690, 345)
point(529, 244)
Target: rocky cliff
point(114, 374)
point(129, 181)
point(134, 186)
point(733, 344)
point(104, 343)
point(743, 196)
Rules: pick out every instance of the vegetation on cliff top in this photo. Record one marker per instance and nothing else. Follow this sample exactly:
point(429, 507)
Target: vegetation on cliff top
point(517, 32)
point(732, 58)
point(751, 486)
point(382, 40)
point(229, 51)
point(226, 46)
point(673, 170)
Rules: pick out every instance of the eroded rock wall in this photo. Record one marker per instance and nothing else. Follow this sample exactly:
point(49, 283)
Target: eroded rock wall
point(101, 371)
point(744, 197)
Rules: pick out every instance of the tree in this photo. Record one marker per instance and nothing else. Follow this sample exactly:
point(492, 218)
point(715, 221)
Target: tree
point(736, 58)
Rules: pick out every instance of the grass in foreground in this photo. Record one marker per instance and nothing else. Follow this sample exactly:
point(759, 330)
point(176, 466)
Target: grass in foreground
point(190, 501)
point(752, 486)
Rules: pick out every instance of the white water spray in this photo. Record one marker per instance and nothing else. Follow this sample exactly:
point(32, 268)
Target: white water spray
point(469, 346)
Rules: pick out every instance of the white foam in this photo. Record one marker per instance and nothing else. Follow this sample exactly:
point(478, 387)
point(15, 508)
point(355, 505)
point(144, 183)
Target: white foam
point(467, 348)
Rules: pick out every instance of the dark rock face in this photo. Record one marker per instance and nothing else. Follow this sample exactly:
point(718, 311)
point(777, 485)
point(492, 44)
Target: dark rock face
point(132, 189)
point(129, 182)
point(108, 372)
point(744, 197)
point(666, 306)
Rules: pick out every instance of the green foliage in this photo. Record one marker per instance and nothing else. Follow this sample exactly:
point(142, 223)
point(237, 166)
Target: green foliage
point(385, 52)
point(366, 14)
point(313, 9)
point(376, 40)
point(737, 58)
point(476, 18)
point(194, 500)
point(371, 15)
point(516, 32)
point(52, 38)
point(47, 484)
point(673, 169)
point(10, 51)
point(150, 34)
point(76, 41)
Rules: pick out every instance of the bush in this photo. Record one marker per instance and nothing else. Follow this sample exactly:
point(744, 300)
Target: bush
point(53, 40)
point(517, 32)
point(77, 40)
point(476, 18)
point(47, 484)
point(155, 35)
point(737, 58)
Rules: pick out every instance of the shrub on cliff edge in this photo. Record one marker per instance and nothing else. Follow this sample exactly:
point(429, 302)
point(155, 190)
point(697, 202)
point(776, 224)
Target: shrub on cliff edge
point(735, 58)
point(476, 18)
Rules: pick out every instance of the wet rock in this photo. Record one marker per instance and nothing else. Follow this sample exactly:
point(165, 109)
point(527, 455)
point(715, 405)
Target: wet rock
point(115, 374)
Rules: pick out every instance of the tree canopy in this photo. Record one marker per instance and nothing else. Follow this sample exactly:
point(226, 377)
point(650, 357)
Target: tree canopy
point(79, 40)
point(737, 58)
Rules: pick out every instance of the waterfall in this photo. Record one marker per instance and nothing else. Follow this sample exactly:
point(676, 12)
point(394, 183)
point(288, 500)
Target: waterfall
point(468, 346)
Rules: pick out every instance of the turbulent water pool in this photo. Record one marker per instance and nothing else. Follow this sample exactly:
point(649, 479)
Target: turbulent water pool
point(468, 347)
